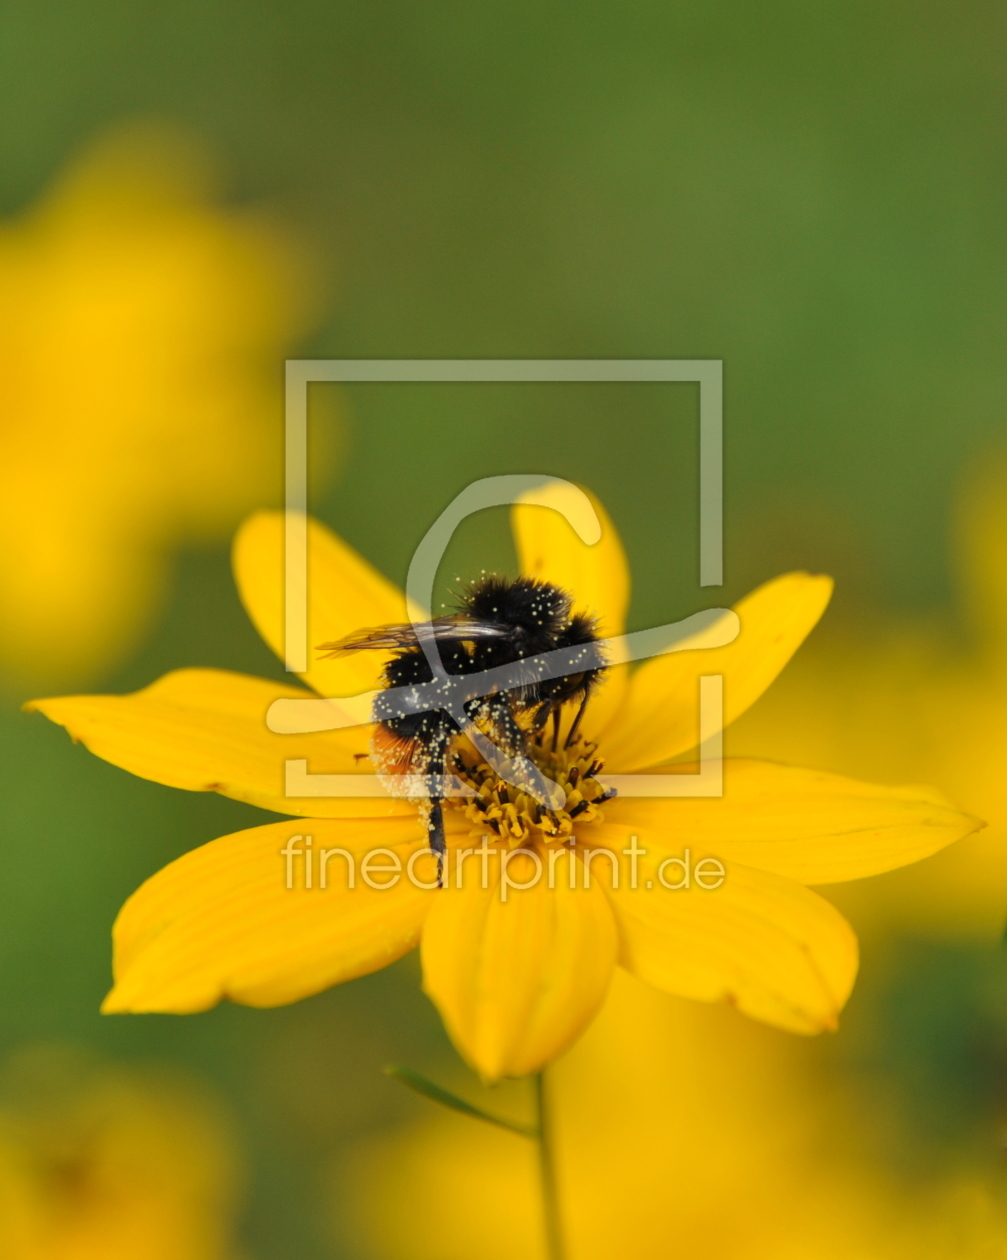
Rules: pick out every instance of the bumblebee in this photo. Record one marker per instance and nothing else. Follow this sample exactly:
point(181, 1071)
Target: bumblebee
point(499, 621)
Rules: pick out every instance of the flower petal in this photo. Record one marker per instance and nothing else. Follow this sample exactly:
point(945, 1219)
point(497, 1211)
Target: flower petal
point(807, 825)
point(221, 922)
point(660, 717)
point(516, 981)
point(345, 593)
point(776, 950)
point(597, 577)
point(205, 730)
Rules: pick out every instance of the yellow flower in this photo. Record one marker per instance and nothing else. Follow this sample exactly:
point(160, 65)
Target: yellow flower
point(97, 1163)
point(140, 328)
point(516, 979)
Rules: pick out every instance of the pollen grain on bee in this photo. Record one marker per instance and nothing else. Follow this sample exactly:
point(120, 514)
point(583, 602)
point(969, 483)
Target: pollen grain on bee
point(494, 865)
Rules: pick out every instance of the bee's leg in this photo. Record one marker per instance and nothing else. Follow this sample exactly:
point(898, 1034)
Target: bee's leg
point(434, 768)
point(414, 747)
point(435, 836)
point(497, 712)
point(508, 737)
point(541, 716)
point(556, 720)
point(576, 722)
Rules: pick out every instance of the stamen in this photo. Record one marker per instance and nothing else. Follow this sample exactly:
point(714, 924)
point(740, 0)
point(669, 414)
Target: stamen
point(513, 813)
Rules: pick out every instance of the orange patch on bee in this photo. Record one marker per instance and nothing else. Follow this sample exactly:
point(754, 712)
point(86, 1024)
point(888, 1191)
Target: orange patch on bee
point(390, 754)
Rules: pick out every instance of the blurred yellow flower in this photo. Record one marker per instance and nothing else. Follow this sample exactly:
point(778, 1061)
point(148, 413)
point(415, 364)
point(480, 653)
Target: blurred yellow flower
point(917, 698)
point(680, 1131)
point(101, 1164)
point(142, 333)
point(516, 979)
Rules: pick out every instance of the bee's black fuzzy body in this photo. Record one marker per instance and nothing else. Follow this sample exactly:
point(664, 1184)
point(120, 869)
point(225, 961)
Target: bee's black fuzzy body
point(499, 621)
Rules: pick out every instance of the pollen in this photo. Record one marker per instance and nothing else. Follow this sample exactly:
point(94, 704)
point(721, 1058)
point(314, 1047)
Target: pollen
point(519, 818)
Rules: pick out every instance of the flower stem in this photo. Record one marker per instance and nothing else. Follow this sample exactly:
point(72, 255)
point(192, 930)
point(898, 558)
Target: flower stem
point(547, 1174)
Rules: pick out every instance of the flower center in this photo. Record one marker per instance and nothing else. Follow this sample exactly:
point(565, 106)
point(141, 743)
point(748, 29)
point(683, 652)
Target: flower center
point(515, 816)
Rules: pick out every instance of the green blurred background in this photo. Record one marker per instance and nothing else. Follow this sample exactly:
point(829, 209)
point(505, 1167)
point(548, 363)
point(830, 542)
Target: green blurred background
point(813, 193)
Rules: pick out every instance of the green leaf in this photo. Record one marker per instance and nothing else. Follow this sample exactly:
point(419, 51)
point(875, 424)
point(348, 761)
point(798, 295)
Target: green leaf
point(413, 1080)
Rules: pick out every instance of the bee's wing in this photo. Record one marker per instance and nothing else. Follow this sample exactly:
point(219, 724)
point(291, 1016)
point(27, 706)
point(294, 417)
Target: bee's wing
point(391, 638)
